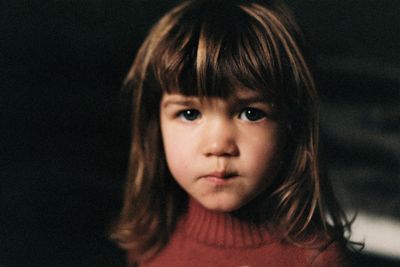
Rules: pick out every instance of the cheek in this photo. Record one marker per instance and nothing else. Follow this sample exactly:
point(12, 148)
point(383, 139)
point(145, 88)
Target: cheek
point(262, 159)
point(177, 156)
point(264, 154)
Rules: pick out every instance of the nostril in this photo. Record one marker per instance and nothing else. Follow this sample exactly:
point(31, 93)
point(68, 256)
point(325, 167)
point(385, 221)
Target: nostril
point(222, 149)
point(219, 137)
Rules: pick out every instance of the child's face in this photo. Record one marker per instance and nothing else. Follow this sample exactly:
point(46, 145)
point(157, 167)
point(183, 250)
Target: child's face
point(223, 152)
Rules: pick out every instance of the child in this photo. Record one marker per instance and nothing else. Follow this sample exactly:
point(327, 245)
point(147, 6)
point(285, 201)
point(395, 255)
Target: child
point(224, 166)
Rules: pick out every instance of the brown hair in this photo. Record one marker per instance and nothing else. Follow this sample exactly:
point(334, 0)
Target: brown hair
point(206, 48)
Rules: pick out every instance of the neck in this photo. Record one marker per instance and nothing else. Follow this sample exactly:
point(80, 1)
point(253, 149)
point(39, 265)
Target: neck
point(237, 229)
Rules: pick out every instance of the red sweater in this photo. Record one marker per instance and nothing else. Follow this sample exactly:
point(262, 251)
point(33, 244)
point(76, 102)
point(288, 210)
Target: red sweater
point(204, 238)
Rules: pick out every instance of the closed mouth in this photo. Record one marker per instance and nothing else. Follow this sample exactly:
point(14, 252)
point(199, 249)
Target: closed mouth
point(221, 175)
point(220, 178)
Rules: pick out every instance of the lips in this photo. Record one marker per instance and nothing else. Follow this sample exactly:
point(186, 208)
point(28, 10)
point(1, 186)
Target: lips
point(219, 178)
point(221, 175)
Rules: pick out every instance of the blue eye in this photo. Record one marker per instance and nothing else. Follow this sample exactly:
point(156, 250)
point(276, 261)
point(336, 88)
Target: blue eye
point(189, 114)
point(252, 114)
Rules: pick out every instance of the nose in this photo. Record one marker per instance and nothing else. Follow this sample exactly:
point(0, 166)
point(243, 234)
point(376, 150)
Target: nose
point(219, 139)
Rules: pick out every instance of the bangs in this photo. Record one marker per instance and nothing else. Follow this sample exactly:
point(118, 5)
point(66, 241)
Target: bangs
point(215, 47)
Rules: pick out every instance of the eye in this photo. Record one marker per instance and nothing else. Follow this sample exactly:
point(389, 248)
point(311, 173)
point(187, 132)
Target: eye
point(189, 114)
point(252, 114)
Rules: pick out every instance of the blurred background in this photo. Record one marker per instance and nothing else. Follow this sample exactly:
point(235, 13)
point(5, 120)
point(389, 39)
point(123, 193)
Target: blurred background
point(64, 133)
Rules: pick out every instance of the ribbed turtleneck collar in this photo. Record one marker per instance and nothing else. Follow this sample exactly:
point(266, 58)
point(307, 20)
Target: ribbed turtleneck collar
point(222, 229)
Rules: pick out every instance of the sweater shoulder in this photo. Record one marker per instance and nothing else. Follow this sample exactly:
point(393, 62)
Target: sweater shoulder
point(332, 253)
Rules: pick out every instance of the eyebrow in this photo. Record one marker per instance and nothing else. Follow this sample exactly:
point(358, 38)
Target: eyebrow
point(180, 102)
point(249, 100)
point(236, 100)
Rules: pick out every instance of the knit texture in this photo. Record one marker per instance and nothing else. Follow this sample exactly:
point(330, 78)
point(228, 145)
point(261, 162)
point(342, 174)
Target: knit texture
point(207, 238)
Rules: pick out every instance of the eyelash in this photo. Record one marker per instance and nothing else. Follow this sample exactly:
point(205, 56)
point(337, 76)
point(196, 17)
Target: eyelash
point(258, 113)
point(194, 114)
point(189, 112)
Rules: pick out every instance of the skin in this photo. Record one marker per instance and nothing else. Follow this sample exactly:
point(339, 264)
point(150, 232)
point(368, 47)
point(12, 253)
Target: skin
point(222, 152)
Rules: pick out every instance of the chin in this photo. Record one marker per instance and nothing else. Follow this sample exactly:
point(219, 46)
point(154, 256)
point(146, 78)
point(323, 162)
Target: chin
point(222, 204)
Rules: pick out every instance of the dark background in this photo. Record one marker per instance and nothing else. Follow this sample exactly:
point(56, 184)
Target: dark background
point(64, 131)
